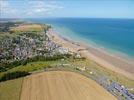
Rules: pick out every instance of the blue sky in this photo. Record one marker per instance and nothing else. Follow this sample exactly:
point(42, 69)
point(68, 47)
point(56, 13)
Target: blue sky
point(67, 8)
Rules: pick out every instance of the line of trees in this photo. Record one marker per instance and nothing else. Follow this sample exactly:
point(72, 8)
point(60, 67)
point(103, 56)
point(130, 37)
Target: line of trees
point(4, 66)
point(13, 75)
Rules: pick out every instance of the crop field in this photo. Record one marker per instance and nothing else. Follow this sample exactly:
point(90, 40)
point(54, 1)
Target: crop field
point(25, 28)
point(11, 90)
point(62, 85)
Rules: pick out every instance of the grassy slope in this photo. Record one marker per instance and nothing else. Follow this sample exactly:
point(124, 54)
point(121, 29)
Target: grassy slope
point(101, 70)
point(10, 90)
point(33, 66)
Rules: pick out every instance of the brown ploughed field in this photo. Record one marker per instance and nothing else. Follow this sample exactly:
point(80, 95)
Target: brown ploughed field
point(62, 85)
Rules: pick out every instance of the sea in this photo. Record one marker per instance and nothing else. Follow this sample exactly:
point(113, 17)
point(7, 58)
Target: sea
point(114, 35)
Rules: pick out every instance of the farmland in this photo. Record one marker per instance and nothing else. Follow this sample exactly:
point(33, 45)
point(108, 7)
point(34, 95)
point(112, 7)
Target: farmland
point(10, 90)
point(62, 85)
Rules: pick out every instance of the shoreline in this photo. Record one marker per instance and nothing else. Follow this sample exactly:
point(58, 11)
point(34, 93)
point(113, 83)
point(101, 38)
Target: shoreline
point(104, 59)
point(90, 43)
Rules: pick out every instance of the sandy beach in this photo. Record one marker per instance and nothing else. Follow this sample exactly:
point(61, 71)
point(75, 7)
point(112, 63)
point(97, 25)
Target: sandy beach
point(101, 57)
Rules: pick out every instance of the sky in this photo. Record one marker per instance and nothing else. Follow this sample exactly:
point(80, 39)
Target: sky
point(67, 8)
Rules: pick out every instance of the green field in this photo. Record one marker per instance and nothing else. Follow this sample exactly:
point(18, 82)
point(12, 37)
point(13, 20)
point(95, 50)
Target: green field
point(33, 66)
point(10, 90)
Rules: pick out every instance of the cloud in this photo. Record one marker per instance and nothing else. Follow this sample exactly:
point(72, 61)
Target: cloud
point(42, 7)
point(28, 8)
point(7, 9)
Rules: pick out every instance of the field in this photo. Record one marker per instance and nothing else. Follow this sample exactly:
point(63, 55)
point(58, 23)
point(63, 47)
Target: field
point(27, 27)
point(33, 66)
point(62, 85)
point(10, 90)
point(100, 70)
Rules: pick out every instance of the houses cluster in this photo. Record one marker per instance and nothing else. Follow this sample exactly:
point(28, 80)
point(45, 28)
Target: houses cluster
point(24, 46)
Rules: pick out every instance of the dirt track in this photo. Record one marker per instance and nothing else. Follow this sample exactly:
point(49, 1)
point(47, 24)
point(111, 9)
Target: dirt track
point(62, 85)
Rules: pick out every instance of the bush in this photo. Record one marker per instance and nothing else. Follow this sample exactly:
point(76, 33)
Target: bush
point(13, 75)
point(2, 69)
point(4, 66)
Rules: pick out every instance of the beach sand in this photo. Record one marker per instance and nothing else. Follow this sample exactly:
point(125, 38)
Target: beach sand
point(101, 57)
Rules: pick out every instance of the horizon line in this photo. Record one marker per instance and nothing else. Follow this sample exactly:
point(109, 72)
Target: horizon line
point(64, 17)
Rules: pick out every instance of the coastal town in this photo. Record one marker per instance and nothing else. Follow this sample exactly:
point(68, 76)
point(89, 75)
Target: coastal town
point(24, 45)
